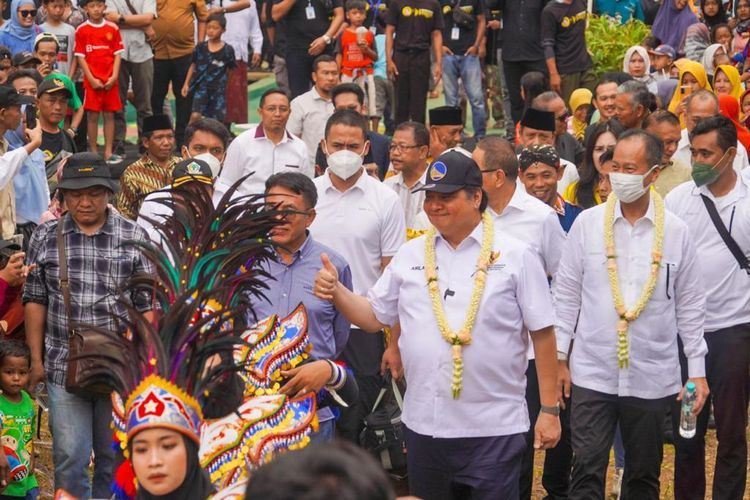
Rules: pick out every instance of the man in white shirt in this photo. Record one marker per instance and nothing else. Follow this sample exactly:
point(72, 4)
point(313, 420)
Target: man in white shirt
point(409, 149)
point(666, 126)
point(523, 216)
point(700, 105)
point(624, 363)
point(464, 410)
point(363, 221)
point(264, 150)
point(538, 127)
point(727, 327)
point(311, 110)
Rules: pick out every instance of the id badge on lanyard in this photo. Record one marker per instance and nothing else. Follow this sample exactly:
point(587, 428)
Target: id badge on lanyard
point(309, 11)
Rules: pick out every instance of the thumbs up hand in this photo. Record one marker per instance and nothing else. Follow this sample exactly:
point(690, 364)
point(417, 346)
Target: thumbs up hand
point(326, 280)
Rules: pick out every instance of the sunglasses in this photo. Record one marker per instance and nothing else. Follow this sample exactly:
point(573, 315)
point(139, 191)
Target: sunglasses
point(27, 13)
point(563, 117)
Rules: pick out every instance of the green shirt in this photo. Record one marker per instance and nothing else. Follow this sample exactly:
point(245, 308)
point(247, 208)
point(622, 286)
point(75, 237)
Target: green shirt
point(19, 420)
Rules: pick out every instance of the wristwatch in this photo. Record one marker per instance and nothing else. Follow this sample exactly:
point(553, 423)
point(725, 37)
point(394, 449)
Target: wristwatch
point(327, 39)
point(551, 410)
point(121, 20)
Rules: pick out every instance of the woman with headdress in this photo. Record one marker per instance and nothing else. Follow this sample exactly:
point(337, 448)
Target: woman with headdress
point(727, 81)
point(713, 13)
point(18, 34)
point(637, 64)
point(672, 21)
point(714, 55)
point(580, 104)
point(730, 108)
point(742, 29)
point(697, 39)
point(692, 78)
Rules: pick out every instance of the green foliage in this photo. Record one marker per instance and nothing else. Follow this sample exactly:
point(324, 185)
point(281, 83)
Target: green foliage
point(608, 40)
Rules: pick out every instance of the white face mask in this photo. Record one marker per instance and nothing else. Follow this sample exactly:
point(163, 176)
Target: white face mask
point(345, 163)
point(629, 187)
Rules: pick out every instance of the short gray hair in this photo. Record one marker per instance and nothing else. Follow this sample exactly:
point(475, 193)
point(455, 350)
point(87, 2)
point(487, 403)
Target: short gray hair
point(653, 145)
point(638, 92)
point(543, 100)
point(704, 96)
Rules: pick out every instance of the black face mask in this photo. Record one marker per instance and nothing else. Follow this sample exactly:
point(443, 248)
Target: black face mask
point(196, 485)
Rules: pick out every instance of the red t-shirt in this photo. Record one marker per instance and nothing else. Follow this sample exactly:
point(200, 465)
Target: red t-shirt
point(352, 56)
point(99, 44)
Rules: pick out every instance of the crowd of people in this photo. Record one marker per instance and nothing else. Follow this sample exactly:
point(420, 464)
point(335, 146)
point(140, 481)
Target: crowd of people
point(546, 262)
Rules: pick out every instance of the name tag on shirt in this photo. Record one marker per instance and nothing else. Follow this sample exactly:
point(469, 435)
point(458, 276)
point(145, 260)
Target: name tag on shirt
point(455, 32)
point(310, 12)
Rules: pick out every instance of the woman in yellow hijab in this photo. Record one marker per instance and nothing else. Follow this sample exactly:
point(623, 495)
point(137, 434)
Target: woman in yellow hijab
point(691, 79)
point(580, 102)
point(727, 81)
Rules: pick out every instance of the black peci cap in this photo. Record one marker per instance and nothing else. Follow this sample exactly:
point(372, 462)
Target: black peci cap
point(539, 119)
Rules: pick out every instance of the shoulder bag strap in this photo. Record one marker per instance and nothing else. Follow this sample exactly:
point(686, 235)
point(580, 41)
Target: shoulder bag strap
point(132, 9)
point(732, 245)
point(63, 263)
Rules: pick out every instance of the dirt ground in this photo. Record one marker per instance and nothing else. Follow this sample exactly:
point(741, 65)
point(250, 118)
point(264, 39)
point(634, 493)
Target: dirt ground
point(44, 468)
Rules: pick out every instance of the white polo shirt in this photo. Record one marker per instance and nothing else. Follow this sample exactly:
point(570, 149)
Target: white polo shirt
point(727, 286)
point(584, 304)
point(310, 113)
point(683, 152)
point(252, 151)
point(536, 224)
point(492, 400)
point(412, 203)
point(364, 224)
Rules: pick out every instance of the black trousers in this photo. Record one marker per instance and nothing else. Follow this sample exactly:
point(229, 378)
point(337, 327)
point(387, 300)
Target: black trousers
point(514, 70)
point(557, 461)
point(362, 354)
point(81, 138)
point(174, 71)
point(593, 420)
point(464, 468)
point(727, 373)
point(412, 85)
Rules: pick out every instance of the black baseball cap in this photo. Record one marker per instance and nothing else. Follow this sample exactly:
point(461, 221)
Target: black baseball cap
point(10, 245)
point(5, 53)
point(191, 169)
point(451, 171)
point(85, 170)
point(25, 57)
point(9, 97)
point(52, 86)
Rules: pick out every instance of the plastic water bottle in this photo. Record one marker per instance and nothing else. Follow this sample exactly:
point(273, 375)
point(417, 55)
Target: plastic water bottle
point(687, 418)
point(40, 393)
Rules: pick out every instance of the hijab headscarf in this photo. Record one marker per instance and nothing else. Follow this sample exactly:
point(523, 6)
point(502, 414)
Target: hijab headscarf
point(730, 108)
point(665, 90)
point(196, 485)
point(697, 39)
point(744, 118)
point(578, 98)
point(646, 60)
point(670, 25)
point(695, 69)
point(734, 78)
point(708, 57)
point(719, 18)
point(14, 27)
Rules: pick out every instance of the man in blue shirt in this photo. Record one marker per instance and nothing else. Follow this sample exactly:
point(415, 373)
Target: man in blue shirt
point(294, 273)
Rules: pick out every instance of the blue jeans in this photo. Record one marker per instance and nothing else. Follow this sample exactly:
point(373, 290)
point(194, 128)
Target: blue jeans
point(80, 425)
point(469, 70)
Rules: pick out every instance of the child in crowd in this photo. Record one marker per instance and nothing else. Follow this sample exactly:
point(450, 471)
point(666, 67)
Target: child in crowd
point(98, 47)
point(18, 421)
point(207, 76)
point(64, 32)
point(357, 53)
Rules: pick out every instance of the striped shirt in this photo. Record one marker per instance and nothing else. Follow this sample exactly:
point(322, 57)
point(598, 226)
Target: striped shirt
point(98, 266)
point(142, 177)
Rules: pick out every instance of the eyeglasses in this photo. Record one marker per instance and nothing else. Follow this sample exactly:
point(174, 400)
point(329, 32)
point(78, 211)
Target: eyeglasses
point(276, 110)
point(402, 147)
point(27, 13)
point(489, 170)
point(563, 117)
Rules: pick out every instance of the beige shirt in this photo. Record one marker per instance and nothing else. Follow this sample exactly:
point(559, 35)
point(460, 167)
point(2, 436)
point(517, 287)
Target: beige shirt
point(672, 176)
point(10, 164)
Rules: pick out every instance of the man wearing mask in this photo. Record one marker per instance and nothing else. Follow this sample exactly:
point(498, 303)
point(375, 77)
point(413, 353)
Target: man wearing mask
point(666, 126)
point(627, 312)
point(266, 149)
point(715, 205)
point(538, 127)
point(701, 105)
point(446, 127)
point(206, 137)
point(363, 221)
